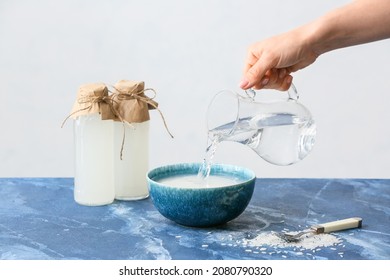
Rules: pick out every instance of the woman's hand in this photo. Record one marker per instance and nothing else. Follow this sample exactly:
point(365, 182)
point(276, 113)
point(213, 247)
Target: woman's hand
point(270, 62)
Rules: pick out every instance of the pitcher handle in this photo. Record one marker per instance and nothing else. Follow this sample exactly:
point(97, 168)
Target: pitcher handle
point(292, 93)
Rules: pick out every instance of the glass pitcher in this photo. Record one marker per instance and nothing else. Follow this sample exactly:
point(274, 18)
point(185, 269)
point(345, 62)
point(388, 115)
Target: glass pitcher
point(281, 131)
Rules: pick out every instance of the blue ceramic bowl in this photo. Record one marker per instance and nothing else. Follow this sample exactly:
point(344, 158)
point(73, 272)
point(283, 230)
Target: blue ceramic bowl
point(204, 206)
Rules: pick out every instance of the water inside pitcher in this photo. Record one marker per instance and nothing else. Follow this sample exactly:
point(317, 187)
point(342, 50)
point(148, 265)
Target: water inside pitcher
point(281, 131)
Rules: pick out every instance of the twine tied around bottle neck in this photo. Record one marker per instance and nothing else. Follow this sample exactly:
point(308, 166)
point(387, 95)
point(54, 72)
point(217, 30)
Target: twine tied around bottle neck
point(92, 100)
point(113, 107)
point(121, 96)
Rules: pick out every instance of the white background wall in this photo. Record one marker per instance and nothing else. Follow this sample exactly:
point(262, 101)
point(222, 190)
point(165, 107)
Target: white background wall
point(187, 51)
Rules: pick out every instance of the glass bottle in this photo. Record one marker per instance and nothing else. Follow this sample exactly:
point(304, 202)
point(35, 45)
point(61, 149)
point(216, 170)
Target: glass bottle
point(131, 136)
point(93, 139)
point(130, 171)
point(94, 160)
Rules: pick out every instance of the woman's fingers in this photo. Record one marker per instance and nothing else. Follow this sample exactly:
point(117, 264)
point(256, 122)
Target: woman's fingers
point(279, 79)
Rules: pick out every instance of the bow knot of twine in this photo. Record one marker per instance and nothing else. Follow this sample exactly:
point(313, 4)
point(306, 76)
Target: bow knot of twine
point(140, 96)
point(113, 101)
point(121, 96)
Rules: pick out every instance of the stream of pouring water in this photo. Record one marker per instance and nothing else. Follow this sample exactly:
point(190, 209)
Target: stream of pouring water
point(204, 170)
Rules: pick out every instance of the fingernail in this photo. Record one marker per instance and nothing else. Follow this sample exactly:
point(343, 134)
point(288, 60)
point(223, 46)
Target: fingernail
point(265, 81)
point(289, 79)
point(244, 83)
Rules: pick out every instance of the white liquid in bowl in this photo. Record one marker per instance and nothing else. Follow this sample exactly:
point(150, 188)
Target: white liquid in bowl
point(193, 181)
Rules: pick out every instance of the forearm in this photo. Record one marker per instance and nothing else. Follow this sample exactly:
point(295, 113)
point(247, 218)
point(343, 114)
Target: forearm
point(359, 22)
point(270, 62)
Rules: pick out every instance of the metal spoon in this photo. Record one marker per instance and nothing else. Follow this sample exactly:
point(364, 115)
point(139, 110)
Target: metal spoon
point(323, 228)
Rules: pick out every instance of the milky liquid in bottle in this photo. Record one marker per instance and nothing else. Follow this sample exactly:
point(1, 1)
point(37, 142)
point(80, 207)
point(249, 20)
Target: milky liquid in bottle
point(130, 171)
point(94, 177)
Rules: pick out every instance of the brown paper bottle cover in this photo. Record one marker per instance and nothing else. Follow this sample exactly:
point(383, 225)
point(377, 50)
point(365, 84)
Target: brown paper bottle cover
point(130, 101)
point(93, 98)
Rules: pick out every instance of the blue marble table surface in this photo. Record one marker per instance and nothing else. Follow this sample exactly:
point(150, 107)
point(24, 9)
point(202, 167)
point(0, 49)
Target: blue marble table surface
point(40, 220)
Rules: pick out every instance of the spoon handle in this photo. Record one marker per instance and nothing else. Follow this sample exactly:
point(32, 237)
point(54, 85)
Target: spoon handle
point(338, 225)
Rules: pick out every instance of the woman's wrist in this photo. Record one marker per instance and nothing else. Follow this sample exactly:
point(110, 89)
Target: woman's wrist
point(320, 36)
